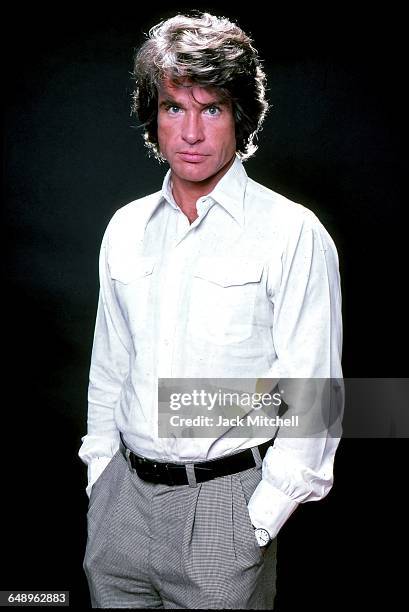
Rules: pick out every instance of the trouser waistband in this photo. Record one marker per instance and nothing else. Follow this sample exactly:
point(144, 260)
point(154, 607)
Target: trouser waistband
point(169, 473)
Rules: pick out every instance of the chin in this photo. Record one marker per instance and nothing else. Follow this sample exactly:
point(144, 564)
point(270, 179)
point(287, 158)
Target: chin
point(192, 174)
point(195, 176)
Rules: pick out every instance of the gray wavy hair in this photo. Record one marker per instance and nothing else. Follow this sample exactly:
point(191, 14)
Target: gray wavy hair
point(211, 52)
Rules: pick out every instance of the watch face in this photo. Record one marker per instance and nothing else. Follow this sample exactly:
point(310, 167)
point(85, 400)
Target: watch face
point(262, 536)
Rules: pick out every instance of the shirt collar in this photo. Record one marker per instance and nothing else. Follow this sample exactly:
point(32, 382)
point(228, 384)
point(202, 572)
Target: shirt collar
point(229, 191)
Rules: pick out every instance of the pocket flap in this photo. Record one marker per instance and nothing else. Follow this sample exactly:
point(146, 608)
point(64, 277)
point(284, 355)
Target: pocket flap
point(229, 272)
point(128, 271)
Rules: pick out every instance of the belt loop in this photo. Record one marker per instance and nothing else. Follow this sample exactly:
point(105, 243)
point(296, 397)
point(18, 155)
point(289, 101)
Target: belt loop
point(257, 457)
point(191, 476)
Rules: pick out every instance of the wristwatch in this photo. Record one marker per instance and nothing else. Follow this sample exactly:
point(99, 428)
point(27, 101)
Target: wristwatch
point(262, 536)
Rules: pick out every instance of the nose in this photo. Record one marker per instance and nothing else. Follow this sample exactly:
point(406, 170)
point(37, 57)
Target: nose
point(192, 128)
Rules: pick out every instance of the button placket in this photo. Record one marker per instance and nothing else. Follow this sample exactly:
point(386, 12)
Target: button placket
point(170, 306)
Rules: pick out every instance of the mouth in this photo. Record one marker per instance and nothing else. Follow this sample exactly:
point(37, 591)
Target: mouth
point(192, 157)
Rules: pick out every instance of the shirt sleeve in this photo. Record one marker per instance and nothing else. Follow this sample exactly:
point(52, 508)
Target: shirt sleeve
point(307, 334)
point(108, 370)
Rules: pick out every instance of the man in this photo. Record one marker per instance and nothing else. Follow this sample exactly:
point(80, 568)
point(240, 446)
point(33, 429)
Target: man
point(213, 276)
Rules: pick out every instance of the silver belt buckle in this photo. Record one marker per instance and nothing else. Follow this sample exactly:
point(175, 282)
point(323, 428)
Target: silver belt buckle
point(127, 453)
point(128, 459)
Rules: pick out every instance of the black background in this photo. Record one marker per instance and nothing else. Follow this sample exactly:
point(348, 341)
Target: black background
point(333, 141)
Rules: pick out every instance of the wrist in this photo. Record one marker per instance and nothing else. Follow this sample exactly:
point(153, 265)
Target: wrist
point(262, 536)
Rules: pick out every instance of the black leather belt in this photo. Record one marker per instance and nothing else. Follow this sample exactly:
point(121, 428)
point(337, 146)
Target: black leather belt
point(175, 473)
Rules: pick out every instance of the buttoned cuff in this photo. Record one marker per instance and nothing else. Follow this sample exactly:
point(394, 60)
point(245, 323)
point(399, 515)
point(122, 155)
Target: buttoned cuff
point(270, 508)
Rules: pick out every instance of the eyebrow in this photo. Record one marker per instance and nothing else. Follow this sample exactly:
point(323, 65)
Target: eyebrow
point(168, 101)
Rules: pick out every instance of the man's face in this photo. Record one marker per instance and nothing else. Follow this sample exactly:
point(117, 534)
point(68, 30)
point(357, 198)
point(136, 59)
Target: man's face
point(196, 131)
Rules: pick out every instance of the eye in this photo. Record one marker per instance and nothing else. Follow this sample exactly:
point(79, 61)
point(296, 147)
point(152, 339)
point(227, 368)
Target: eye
point(213, 110)
point(173, 110)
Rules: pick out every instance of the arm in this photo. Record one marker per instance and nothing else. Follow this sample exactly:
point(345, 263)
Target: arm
point(109, 368)
point(308, 339)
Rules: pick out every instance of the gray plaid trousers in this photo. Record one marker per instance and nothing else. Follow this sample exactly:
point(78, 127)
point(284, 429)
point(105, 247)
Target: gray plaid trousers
point(160, 546)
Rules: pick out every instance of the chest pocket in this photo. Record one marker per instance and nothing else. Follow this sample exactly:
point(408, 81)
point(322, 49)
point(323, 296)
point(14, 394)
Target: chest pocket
point(131, 270)
point(132, 280)
point(223, 299)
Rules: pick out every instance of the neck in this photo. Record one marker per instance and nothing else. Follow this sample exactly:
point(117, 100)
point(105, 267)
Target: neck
point(187, 193)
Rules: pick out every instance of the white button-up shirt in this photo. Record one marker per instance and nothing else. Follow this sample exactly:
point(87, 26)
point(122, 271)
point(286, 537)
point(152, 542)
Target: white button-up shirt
point(249, 289)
